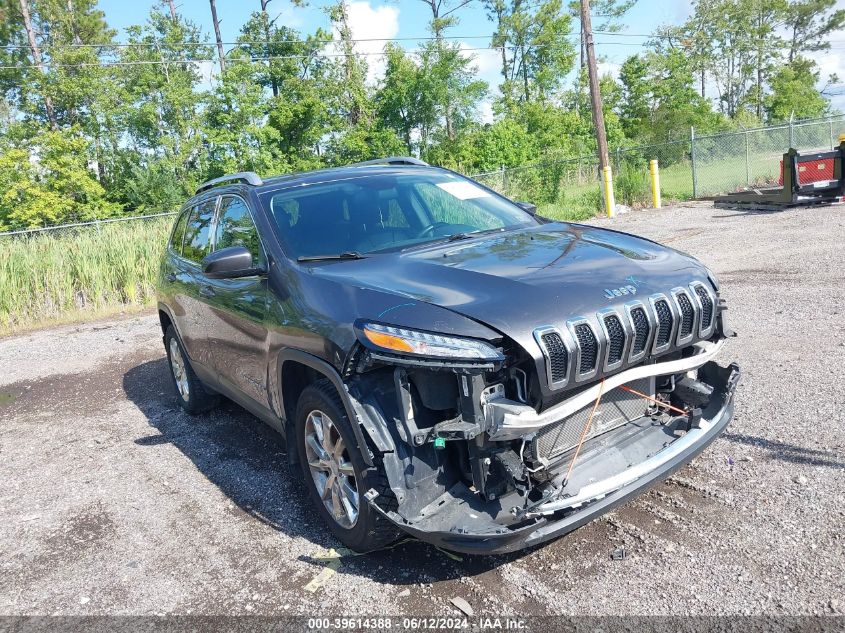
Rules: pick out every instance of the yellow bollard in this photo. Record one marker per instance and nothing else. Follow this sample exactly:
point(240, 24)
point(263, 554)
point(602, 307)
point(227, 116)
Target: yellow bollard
point(609, 199)
point(655, 183)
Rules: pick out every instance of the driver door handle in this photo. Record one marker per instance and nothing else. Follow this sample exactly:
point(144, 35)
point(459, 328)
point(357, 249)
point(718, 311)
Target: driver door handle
point(207, 291)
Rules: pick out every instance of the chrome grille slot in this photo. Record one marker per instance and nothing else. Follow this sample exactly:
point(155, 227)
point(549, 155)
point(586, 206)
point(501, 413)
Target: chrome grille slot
point(687, 315)
point(665, 322)
point(642, 328)
point(707, 307)
point(615, 334)
point(557, 355)
point(617, 407)
point(589, 348)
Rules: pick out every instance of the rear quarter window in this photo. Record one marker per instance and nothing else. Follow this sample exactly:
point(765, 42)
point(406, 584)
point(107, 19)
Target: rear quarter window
point(179, 232)
point(198, 232)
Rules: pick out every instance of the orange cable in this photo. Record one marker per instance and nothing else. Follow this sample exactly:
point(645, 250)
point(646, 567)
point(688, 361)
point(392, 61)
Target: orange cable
point(659, 403)
point(584, 433)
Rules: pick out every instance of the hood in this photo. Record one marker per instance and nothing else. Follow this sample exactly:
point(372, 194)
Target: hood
point(517, 281)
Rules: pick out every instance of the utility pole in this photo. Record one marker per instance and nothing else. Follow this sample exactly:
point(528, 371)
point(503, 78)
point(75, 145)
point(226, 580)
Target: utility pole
point(172, 10)
point(266, 19)
point(36, 57)
point(598, 113)
point(217, 36)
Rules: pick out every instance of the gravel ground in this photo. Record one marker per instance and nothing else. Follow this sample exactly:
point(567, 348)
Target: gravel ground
point(115, 502)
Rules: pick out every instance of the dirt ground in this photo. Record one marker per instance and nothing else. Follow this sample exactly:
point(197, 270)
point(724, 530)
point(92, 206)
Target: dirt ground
point(115, 502)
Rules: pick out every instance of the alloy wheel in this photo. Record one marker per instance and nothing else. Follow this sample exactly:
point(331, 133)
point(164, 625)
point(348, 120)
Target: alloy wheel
point(180, 374)
point(331, 469)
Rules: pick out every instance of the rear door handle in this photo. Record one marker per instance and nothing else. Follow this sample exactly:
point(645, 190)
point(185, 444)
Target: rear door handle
point(207, 291)
point(170, 276)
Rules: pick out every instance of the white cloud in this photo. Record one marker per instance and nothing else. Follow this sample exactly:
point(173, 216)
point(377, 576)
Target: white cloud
point(609, 68)
point(208, 71)
point(487, 62)
point(370, 23)
point(831, 63)
point(485, 111)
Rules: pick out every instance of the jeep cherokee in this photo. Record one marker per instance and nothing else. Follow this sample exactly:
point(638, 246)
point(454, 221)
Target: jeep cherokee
point(442, 361)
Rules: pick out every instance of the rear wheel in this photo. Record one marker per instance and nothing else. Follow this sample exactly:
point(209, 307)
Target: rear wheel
point(335, 473)
point(190, 392)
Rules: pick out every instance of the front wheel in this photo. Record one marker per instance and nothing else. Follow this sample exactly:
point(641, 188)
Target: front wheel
point(335, 473)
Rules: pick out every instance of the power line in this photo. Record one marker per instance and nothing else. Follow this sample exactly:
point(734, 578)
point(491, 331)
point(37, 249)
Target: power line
point(160, 44)
point(153, 62)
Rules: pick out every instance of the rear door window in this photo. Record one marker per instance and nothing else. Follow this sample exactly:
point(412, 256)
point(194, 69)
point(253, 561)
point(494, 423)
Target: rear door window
point(236, 228)
point(198, 233)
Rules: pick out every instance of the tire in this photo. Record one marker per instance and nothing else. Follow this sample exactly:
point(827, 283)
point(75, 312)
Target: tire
point(190, 392)
point(368, 530)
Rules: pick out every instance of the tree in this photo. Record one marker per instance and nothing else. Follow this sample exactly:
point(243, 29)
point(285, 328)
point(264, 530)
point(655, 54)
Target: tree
point(636, 103)
point(809, 22)
point(794, 93)
point(537, 54)
point(46, 180)
point(162, 110)
point(36, 58)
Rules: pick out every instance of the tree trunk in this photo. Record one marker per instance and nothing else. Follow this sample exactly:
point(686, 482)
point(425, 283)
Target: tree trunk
point(527, 93)
point(172, 10)
point(216, 22)
point(36, 58)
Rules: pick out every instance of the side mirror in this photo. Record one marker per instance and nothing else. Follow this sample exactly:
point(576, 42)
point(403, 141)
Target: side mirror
point(230, 263)
point(528, 206)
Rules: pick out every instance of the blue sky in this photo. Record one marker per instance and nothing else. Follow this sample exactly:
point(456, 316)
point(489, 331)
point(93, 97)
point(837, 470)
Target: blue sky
point(409, 19)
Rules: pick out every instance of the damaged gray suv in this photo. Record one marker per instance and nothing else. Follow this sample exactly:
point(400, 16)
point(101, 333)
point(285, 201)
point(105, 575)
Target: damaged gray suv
point(441, 361)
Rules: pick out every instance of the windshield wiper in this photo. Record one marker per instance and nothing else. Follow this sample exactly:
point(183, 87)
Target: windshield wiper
point(466, 236)
point(343, 255)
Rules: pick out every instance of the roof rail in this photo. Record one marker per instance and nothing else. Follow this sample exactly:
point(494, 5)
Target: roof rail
point(246, 177)
point(392, 160)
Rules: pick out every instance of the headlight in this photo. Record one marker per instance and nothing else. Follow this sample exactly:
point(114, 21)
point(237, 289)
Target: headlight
point(402, 341)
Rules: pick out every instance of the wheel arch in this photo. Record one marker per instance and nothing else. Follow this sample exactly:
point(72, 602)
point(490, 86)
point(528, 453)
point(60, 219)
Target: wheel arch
point(297, 370)
point(165, 319)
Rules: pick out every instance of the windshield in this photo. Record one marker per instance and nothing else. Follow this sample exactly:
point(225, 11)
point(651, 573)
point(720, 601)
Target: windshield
point(369, 213)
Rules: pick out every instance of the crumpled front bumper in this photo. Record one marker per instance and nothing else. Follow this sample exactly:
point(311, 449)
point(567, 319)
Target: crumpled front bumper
point(465, 524)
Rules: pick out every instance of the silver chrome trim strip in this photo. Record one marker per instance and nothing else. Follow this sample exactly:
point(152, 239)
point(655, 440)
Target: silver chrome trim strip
point(510, 420)
point(704, 332)
point(602, 315)
point(629, 309)
point(675, 292)
point(538, 336)
point(571, 325)
point(653, 299)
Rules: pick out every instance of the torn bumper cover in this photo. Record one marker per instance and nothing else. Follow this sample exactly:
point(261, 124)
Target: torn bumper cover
point(613, 468)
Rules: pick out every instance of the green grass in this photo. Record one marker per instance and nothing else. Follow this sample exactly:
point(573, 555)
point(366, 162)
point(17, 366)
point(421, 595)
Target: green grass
point(79, 273)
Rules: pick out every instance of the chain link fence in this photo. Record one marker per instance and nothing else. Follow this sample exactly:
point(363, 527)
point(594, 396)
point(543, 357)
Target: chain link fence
point(697, 167)
point(92, 225)
point(722, 163)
